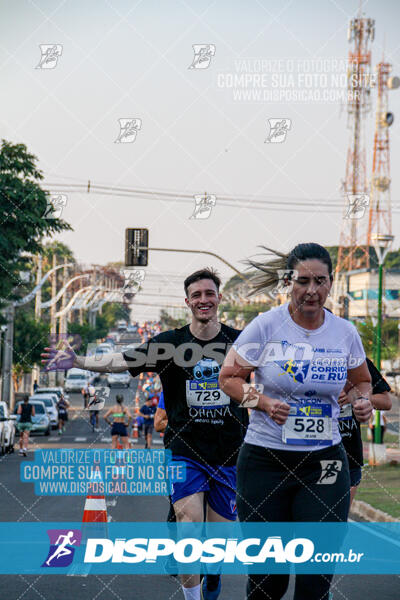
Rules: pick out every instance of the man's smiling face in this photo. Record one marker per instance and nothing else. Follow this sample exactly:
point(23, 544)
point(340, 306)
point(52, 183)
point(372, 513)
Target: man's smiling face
point(203, 299)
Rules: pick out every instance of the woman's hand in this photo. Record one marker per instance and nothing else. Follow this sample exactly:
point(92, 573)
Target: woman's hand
point(362, 409)
point(277, 410)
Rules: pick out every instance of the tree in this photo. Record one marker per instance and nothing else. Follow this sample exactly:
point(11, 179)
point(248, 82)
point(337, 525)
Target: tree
point(168, 322)
point(23, 204)
point(389, 348)
point(30, 336)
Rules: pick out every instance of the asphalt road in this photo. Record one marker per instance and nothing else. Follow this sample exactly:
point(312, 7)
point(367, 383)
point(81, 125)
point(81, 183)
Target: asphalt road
point(18, 502)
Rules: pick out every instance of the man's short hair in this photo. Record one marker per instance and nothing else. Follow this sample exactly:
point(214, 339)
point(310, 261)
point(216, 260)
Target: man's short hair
point(207, 273)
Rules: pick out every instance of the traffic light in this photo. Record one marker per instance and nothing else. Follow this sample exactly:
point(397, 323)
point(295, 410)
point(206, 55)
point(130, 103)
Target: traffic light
point(134, 239)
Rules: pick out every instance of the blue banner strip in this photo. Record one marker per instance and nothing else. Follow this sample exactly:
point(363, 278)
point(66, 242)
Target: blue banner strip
point(159, 548)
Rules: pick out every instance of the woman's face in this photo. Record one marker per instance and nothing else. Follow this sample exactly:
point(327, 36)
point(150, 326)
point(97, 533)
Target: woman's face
point(310, 288)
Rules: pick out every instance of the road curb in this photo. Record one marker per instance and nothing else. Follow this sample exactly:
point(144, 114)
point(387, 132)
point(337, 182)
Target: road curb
point(369, 513)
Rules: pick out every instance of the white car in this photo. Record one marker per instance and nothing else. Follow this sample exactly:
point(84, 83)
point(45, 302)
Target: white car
point(7, 429)
point(103, 349)
point(119, 379)
point(52, 390)
point(76, 380)
point(50, 402)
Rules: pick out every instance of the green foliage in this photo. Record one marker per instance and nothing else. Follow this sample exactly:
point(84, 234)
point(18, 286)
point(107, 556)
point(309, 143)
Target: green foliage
point(60, 250)
point(389, 338)
point(86, 333)
point(111, 313)
point(246, 312)
point(22, 205)
point(30, 337)
point(168, 322)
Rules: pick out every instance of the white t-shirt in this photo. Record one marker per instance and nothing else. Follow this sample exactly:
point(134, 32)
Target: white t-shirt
point(306, 368)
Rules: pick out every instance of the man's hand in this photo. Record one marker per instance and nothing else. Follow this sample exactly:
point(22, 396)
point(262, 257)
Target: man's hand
point(343, 399)
point(276, 409)
point(60, 356)
point(362, 409)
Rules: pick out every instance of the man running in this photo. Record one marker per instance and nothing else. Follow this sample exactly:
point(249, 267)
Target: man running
point(147, 411)
point(205, 427)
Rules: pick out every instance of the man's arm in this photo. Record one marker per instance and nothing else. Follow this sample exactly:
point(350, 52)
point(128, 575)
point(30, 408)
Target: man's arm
point(160, 420)
point(106, 363)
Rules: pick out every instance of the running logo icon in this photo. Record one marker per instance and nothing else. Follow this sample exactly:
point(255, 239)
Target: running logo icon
point(133, 279)
point(98, 401)
point(128, 129)
point(330, 469)
point(55, 206)
point(62, 547)
point(357, 206)
point(203, 206)
point(278, 129)
point(50, 55)
point(203, 54)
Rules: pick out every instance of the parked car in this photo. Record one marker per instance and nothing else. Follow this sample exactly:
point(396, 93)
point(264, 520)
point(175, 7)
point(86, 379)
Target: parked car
point(41, 420)
point(7, 429)
point(104, 348)
point(76, 380)
point(52, 390)
point(119, 379)
point(50, 402)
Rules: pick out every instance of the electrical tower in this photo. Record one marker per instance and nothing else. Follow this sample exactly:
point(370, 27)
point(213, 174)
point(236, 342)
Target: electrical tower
point(353, 250)
point(380, 210)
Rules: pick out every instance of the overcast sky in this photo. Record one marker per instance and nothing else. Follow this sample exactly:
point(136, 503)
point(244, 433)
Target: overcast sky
point(198, 130)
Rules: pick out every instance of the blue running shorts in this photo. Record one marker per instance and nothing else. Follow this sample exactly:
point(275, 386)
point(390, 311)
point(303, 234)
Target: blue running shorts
point(217, 483)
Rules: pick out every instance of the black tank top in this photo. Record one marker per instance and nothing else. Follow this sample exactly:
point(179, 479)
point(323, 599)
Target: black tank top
point(26, 412)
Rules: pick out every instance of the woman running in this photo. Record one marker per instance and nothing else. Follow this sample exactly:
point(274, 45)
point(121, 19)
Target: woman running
point(292, 466)
point(62, 408)
point(119, 413)
point(24, 425)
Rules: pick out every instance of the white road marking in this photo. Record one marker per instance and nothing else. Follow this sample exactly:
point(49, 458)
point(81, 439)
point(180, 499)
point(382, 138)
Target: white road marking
point(80, 439)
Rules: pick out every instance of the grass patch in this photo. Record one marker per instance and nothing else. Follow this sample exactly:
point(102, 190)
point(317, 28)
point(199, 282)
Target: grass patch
point(380, 487)
point(389, 438)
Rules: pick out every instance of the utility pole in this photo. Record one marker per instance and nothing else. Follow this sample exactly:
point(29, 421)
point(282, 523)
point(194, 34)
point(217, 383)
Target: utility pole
point(6, 388)
point(62, 327)
point(38, 312)
point(38, 299)
point(53, 320)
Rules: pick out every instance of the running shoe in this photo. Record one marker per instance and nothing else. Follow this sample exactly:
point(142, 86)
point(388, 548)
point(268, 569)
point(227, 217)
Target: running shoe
point(24, 452)
point(21, 452)
point(59, 431)
point(207, 594)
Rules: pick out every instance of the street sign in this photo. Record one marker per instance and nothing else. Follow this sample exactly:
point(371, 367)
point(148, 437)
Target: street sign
point(134, 239)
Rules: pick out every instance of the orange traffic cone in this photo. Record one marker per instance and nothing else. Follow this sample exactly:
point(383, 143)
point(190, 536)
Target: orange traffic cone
point(95, 510)
point(94, 520)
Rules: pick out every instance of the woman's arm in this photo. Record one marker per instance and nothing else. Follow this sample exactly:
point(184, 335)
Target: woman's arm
point(232, 380)
point(358, 388)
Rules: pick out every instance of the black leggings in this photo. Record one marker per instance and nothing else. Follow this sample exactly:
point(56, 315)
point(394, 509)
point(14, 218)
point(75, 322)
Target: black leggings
point(285, 486)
